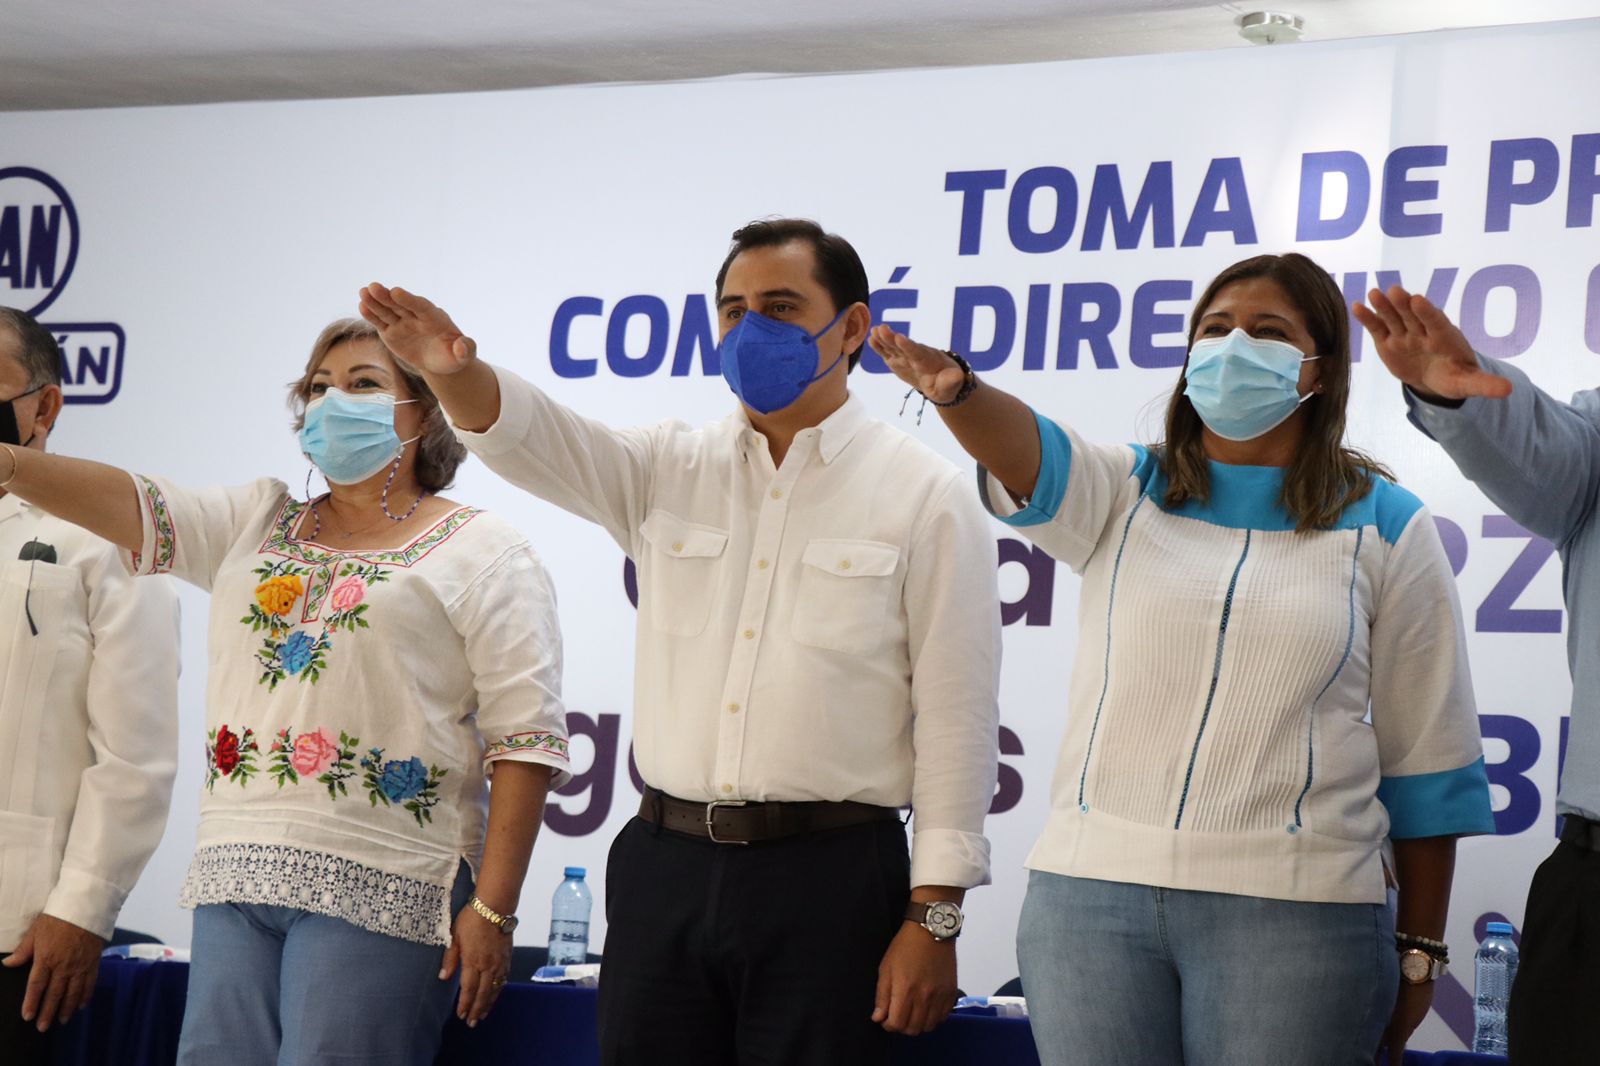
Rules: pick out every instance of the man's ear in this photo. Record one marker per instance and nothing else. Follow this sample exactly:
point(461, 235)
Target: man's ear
point(857, 324)
point(51, 401)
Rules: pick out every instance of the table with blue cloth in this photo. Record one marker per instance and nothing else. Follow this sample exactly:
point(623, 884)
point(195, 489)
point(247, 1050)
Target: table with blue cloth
point(137, 1012)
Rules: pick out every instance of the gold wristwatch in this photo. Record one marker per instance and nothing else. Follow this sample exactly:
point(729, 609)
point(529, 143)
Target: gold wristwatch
point(1417, 967)
point(506, 923)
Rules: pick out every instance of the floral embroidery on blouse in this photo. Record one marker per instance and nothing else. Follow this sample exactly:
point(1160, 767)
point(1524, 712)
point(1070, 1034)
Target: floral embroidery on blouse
point(404, 781)
point(316, 755)
point(315, 578)
point(280, 541)
point(166, 538)
point(287, 651)
point(230, 755)
point(533, 741)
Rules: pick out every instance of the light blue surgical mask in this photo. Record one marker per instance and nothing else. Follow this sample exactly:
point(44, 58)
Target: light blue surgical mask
point(350, 438)
point(1242, 386)
point(769, 364)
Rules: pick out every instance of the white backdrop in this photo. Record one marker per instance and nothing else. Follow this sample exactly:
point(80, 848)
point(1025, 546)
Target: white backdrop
point(209, 244)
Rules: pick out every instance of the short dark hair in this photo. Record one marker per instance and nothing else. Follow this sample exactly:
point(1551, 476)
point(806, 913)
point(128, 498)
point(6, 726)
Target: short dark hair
point(839, 268)
point(38, 353)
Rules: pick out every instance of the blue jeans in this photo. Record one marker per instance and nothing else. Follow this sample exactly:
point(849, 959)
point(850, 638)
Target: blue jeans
point(1119, 973)
point(280, 986)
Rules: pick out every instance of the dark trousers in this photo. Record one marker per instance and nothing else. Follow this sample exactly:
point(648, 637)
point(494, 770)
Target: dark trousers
point(21, 1043)
point(1554, 1019)
point(758, 955)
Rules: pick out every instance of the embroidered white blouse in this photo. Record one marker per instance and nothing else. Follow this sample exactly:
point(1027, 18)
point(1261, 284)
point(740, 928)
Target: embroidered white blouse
point(356, 701)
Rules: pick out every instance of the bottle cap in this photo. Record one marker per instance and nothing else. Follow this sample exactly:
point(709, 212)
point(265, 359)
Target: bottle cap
point(1498, 928)
point(579, 872)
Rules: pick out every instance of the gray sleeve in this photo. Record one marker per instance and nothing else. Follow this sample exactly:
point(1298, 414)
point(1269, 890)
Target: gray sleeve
point(1537, 458)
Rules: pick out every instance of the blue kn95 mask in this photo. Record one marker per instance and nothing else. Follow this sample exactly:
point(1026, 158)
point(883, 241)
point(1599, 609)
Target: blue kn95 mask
point(768, 364)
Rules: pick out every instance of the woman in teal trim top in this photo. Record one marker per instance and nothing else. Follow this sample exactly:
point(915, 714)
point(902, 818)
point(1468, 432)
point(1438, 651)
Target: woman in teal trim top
point(1270, 684)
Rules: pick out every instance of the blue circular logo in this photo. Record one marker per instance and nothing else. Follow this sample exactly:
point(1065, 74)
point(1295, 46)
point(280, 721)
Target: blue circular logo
point(38, 238)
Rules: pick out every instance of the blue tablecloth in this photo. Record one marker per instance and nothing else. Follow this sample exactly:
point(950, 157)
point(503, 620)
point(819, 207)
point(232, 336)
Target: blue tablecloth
point(137, 1012)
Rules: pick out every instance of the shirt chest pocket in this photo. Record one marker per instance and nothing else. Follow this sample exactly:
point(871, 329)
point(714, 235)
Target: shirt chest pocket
point(678, 579)
point(43, 625)
point(847, 588)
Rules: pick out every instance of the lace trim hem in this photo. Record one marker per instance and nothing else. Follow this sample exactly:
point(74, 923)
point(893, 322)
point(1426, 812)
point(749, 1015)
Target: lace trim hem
point(282, 876)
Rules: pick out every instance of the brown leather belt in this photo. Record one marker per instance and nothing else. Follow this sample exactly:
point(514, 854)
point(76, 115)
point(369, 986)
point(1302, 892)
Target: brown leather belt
point(1576, 829)
point(740, 822)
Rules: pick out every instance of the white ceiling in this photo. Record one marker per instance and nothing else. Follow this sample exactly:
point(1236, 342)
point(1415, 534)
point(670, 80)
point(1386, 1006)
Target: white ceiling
point(107, 53)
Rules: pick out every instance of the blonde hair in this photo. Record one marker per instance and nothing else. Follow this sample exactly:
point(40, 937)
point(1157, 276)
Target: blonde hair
point(439, 453)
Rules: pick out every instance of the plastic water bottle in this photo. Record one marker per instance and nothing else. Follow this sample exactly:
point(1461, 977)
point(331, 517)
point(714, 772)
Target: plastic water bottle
point(569, 920)
point(1496, 969)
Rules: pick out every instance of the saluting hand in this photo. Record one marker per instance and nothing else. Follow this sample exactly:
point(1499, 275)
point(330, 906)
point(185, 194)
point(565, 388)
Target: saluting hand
point(1424, 349)
point(417, 331)
point(928, 370)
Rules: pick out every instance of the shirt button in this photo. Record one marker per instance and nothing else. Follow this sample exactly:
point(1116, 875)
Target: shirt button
point(749, 634)
point(678, 547)
point(844, 564)
point(777, 494)
point(727, 788)
point(733, 708)
point(762, 565)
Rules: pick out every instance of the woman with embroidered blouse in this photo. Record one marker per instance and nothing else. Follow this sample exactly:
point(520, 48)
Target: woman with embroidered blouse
point(374, 656)
point(1271, 681)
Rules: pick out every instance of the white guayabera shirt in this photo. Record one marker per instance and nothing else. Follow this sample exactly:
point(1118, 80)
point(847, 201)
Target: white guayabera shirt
point(88, 724)
point(825, 630)
point(356, 701)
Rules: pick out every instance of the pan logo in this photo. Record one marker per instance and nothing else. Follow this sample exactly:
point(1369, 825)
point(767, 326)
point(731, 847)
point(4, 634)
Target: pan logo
point(39, 239)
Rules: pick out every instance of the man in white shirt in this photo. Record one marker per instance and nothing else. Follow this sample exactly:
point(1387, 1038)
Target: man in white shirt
point(88, 725)
point(818, 646)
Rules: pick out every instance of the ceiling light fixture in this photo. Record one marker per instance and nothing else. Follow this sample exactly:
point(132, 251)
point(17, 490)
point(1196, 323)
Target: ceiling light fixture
point(1271, 27)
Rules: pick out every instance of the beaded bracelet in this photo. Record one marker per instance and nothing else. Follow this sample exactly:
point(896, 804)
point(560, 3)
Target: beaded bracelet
point(968, 385)
point(1436, 948)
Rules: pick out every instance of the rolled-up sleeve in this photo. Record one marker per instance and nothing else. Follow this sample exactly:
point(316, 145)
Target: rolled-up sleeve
point(953, 610)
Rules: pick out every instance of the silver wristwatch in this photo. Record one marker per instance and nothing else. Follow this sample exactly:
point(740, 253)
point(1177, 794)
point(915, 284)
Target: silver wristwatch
point(941, 918)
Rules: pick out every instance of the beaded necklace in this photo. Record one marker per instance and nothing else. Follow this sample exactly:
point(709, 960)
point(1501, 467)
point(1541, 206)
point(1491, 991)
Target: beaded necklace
point(383, 501)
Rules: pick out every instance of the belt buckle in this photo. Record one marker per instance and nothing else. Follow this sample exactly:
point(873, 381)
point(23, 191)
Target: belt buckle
point(711, 814)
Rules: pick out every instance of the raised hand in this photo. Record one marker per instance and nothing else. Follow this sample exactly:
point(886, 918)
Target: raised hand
point(417, 331)
point(928, 370)
point(1423, 348)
